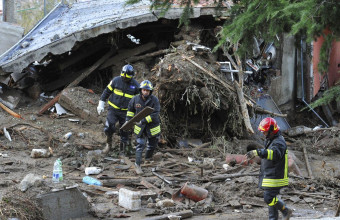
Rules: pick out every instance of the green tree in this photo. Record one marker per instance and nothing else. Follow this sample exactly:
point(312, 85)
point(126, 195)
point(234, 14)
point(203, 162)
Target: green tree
point(267, 19)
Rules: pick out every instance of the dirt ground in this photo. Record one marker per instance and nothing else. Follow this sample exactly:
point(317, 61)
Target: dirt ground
point(231, 198)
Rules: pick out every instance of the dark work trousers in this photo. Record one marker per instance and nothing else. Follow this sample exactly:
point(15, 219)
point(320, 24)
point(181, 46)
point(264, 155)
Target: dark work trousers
point(142, 141)
point(269, 195)
point(114, 115)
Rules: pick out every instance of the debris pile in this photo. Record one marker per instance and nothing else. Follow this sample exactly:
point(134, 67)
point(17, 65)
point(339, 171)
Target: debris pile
point(194, 104)
point(16, 204)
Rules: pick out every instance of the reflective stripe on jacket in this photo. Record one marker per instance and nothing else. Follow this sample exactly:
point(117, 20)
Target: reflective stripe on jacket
point(151, 123)
point(120, 93)
point(274, 164)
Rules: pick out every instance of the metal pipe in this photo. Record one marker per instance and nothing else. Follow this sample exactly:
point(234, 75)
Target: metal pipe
point(302, 85)
point(236, 71)
point(4, 11)
point(44, 7)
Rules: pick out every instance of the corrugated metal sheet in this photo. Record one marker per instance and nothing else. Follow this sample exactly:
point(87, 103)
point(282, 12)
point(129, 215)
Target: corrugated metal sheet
point(64, 26)
point(267, 103)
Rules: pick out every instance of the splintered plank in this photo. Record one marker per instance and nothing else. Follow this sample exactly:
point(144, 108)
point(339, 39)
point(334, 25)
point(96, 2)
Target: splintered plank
point(148, 185)
point(142, 114)
point(128, 162)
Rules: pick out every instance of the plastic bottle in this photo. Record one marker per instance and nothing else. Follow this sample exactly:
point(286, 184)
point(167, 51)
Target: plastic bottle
point(55, 177)
point(68, 135)
point(61, 178)
point(91, 181)
point(57, 171)
point(92, 170)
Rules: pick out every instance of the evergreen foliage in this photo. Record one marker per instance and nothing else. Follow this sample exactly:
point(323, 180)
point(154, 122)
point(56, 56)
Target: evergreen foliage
point(327, 97)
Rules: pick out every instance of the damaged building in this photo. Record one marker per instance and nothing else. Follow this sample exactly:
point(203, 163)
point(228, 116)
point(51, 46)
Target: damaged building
point(72, 41)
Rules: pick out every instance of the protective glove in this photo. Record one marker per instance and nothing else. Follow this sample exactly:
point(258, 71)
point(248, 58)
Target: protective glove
point(139, 124)
point(251, 154)
point(100, 107)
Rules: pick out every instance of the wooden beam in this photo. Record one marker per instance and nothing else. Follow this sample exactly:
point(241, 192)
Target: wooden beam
point(309, 169)
point(239, 88)
point(127, 182)
point(124, 54)
point(14, 114)
point(338, 209)
point(49, 104)
point(77, 80)
point(91, 69)
point(239, 64)
point(231, 60)
point(148, 185)
point(226, 176)
point(261, 110)
point(153, 54)
point(243, 107)
point(310, 195)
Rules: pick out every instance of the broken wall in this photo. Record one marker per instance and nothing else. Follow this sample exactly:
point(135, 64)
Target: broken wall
point(282, 86)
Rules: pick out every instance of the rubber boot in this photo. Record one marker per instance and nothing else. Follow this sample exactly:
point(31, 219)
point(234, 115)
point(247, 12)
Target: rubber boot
point(108, 145)
point(148, 156)
point(129, 149)
point(273, 213)
point(138, 162)
point(286, 212)
point(122, 149)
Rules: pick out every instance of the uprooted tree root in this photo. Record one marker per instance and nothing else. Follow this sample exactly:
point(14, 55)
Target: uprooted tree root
point(194, 104)
point(16, 204)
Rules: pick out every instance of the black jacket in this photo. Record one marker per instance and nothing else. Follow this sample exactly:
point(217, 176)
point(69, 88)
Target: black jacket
point(274, 163)
point(151, 123)
point(120, 93)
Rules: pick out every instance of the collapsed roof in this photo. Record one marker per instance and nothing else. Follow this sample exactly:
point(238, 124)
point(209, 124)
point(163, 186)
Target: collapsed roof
point(66, 25)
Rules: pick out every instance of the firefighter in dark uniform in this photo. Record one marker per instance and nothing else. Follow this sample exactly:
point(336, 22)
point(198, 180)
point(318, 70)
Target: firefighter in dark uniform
point(119, 91)
point(274, 167)
point(148, 129)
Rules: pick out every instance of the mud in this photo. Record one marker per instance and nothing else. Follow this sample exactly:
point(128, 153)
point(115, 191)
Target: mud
point(229, 197)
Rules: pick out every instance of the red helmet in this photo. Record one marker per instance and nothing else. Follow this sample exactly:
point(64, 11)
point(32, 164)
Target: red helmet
point(269, 124)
